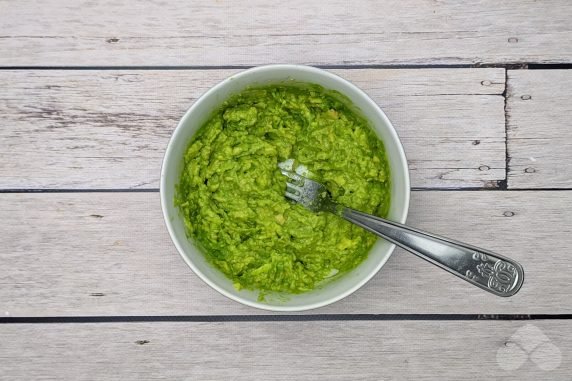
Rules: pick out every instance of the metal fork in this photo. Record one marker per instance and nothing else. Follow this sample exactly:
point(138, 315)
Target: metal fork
point(487, 270)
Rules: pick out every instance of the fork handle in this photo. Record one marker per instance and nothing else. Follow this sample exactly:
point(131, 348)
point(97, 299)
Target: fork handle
point(489, 271)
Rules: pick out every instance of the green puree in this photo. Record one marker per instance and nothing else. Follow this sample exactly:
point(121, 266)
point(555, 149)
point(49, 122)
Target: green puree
point(231, 192)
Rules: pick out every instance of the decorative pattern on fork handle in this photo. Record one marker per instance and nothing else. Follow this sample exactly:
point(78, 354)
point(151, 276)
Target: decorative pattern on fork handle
point(495, 273)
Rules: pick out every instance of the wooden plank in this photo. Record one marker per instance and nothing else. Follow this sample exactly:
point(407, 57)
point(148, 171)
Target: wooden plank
point(226, 32)
point(74, 254)
point(539, 104)
point(323, 350)
point(108, 129)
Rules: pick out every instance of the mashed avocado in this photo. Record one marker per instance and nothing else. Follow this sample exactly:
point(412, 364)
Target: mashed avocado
point(231, 191)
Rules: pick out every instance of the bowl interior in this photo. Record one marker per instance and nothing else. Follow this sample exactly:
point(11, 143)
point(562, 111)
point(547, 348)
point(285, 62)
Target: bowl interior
point(198, 115)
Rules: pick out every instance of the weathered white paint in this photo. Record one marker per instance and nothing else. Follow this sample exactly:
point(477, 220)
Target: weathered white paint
point(108, 129)
point(78, 254)
point(320, 350)
point(339, 32)
point(84, 254)
point(539, 109)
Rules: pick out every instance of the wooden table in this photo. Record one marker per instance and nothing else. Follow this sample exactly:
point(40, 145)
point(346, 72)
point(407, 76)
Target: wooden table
point(91, 286)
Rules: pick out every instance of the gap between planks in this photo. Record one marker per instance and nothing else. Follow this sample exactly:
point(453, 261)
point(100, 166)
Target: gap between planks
point(510, 66)
point(276, 318)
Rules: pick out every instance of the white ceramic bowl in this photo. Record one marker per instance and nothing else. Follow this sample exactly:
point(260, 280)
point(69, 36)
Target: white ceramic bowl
point(198, 115)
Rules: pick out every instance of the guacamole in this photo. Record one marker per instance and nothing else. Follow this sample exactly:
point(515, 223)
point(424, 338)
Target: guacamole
point(231, 191)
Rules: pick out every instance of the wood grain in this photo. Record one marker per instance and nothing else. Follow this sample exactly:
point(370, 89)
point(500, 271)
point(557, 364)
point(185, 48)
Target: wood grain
point(77, 254)
point(226, 32)
point(108, 129)
point(323, 350)
point(108, 253)
point(539, 105)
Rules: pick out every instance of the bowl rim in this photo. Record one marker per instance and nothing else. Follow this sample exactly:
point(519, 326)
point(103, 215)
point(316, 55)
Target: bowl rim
point(178, 131)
